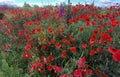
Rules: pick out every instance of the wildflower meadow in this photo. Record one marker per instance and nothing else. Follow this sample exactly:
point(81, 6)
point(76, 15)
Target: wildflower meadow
point(60, 41)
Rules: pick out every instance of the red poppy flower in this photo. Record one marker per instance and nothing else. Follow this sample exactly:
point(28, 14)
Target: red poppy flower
point(33, 31)
point(57, 69)
point(92, 40)
point(39, 30)
point(93, 22)
point(50, 29)
point(36, 23)
point(100, 50)
point(42, 58)
point(84, 45)
point(78, 73)
point(26, 55)
point(86, 18)
point(64, 40)
point(75, 10)
point(64, 55)
point(27, 35)
point(100, 27)
point(81, 29)
point(58, 45)
point(52, 41)
point(49, 67)
point(27, 47)
point(71, 21)
point(72, 49)
point(89, 71)
point(32, 68)
point(112, 50)
point(43, 47)
point(4, 46)
point(51, 58)
point(5, 51)
point(106, 38)
point(26, 24)
point(64, 75)
point(97, 72)
point(116, 57)
point(47, 62)
point(104, 75)
point(41, 70)
point(110, 30)
point(62, 30)
point(30, 40)
point(39, 64)
point(55, 32)
point(68, 42)
point(81, 62)
point(86, 66)
point(72, 39)
point(87, 23)
point(92, 52)
point(114, 23)
point(95, 32)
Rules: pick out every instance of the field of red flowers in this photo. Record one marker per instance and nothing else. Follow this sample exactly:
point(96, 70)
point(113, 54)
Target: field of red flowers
point(62, 41)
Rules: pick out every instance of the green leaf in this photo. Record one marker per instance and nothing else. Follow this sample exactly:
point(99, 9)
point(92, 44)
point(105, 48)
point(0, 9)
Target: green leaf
point(5, 66)
point(2, 74)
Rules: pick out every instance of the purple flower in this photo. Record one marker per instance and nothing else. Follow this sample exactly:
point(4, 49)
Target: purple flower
point(45, 12)
point(61, 10)
point(70, 16)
